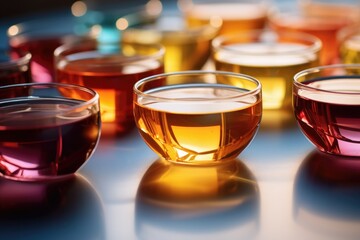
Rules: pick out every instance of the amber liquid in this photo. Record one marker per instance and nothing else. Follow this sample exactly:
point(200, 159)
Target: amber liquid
point(196, 132)
point(233, 17)
point(113, 83)
point(271, 65)
point(325, 25)
point(48, 144)
point(331, 122)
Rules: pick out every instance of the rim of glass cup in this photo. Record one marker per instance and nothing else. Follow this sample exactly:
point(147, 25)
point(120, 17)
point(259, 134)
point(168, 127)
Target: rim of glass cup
point(62, 52)
point(93, 100)
point(305, 72)
point(217, 42)
point(206, 31)
point(21, 61)
point(197, 72)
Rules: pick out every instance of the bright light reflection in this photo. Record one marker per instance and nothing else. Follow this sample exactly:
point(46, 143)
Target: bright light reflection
point(13, 30)
point(95, 30)
point(78, 8)
point(122, 24)
point(154, 7)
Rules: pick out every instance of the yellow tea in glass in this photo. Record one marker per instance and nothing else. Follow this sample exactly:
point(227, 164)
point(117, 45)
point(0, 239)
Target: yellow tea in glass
point(187, 48)
point(232, 15)
point(112, 73)
point(198, 117)
point(349, 39)
point(270, 57)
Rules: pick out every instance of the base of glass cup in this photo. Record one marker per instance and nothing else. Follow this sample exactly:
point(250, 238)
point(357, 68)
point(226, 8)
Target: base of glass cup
point(202, 163)
point(43, 178)
point(345, 149)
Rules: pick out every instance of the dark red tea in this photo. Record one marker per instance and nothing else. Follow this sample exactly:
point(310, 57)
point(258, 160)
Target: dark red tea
point(330, 120)
point(42, 50)
point(47, 144)
point(14, 69)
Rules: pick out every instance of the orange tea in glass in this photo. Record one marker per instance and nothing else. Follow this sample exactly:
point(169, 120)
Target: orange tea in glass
point(112, 72)
point(321, 20)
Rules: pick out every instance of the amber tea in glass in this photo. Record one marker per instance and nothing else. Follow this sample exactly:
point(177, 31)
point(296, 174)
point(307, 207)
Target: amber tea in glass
point(198, 117)
point(270, 57)
point(327, 107)
point(111, 72)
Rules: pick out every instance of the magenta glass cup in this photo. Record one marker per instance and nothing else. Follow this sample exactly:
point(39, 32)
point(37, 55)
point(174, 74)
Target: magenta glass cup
point(326, 103)
point(47, 130)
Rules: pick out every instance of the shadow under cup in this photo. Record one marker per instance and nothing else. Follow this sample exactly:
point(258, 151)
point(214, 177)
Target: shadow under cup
point(47, 130)
point(111, 70)
point(327, 107)
point(198, 117)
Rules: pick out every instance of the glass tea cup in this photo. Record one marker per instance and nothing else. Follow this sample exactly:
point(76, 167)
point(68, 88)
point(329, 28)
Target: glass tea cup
point(198, 117)
point(349, 40)
point(111, 70)
point(326, 101)
point(271, 57)
point(323, 20)
point(41, 37)
point(232, 16)
point(187, 47)
point(47, 130)
point(14, 68)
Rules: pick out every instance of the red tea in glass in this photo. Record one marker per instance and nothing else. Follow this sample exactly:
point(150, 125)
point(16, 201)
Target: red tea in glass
point(46, 130)
point(111, 73)
point(327, 107)
point(41, 38)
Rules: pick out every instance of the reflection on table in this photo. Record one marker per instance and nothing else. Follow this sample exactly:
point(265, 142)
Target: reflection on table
point(63, 209)
point(326, 195)
point(176, 201)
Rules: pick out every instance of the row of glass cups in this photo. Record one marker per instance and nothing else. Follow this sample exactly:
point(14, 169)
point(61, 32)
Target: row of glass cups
point(191, 117)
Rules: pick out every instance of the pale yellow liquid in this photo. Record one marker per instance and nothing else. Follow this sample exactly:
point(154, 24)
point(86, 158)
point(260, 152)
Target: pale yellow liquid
point(186, 48)
point(272, 64)
point(233, 17)
point(197, 132)
point(350, 50)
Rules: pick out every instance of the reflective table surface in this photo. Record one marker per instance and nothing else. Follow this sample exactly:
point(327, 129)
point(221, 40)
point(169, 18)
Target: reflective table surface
point(280, 187)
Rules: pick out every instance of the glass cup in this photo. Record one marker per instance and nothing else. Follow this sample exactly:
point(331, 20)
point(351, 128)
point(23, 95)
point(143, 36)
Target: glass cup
point(323, 20)
point(327, 107)
point(14, 68)
point(198, 117)
point(48, 130)
point(187, 48)
point(40, 38)
point(273, 58)
point(349, 40)
point(232, 16)
point(112, 72)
